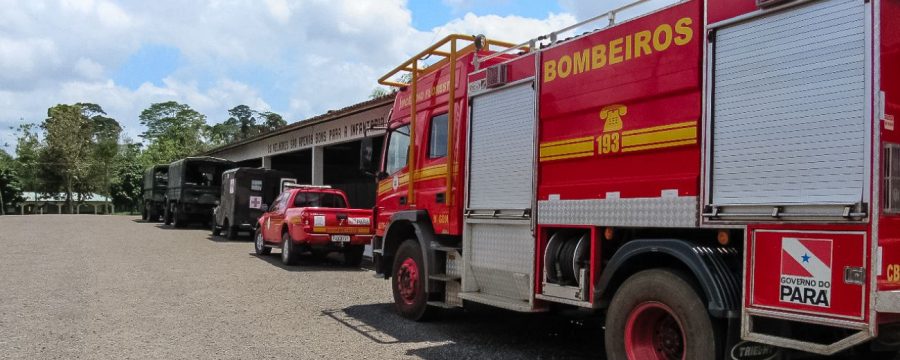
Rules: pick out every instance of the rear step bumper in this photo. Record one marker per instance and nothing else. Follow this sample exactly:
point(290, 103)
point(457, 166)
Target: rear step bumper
point(887, 302)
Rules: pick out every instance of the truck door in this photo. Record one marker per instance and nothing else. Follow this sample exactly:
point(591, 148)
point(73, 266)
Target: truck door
point(275, 217)
point(499, 245)
point(392, 190)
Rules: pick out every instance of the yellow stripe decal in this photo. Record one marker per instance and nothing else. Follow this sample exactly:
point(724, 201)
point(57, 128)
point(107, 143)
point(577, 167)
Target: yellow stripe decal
point(570, 156)
point(658, 137)
point(660, 146)
point(565, 142)
point(662, 127)
point(582, 146)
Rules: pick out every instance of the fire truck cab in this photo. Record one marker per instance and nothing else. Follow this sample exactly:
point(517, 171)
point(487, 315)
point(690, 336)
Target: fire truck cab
point(719, 178)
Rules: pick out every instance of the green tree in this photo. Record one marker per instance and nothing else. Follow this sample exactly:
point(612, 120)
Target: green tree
point(271, 121)
point(10, 188)
point(174, 131)
point(243, 123)
point(28, 150)
point(68, 134)
point(128, 178)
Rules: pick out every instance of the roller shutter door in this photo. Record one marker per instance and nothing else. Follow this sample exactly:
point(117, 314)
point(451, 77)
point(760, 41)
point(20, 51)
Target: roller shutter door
point(789, 108)
point(502, 149)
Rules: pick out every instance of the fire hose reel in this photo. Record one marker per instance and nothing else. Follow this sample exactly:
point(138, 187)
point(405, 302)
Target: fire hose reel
point(566, 258)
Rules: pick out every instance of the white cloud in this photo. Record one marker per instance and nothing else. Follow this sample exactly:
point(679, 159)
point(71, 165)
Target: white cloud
point(584, 10)
point(323, 54)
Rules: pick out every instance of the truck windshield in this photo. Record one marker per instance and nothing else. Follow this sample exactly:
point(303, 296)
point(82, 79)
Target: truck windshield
point(203, 175)
point(327, 200)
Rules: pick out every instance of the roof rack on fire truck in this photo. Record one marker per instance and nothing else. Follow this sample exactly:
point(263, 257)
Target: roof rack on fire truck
point(447, 51)
point(554, 36)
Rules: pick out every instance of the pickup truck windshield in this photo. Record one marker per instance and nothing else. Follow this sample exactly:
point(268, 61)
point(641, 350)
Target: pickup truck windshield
point(327, 200)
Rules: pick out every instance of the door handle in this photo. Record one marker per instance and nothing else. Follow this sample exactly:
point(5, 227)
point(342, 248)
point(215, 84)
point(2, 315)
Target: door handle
point(403, 200)
point(440, 198)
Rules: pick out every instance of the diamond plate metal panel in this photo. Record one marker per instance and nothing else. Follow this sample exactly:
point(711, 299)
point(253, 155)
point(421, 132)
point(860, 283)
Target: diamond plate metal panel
point(454, 266)
point(648, 212)
point(502, 259)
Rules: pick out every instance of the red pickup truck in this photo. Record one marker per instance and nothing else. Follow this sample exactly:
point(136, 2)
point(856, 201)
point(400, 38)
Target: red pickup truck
point(313, 218)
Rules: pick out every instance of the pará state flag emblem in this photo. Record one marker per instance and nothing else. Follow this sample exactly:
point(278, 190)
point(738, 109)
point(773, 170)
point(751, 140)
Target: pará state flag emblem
point(806, 271)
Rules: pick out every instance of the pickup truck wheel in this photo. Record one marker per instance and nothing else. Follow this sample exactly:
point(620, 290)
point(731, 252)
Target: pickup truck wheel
point(259, 245)
point(657, 315)
point(288, 253)
point(353, 255)
point(408, 282)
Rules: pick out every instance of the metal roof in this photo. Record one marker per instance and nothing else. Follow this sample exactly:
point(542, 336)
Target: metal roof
point(328, 116)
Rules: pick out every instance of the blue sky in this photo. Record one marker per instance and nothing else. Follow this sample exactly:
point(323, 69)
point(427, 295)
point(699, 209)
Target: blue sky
point(299, 58)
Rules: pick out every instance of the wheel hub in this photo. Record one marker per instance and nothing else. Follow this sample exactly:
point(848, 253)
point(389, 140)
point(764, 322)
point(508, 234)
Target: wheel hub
point(654, 332)
point(407, 280)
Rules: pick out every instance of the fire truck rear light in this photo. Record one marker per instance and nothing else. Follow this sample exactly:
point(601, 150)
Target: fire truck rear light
point(723, 237)
point(609, 233)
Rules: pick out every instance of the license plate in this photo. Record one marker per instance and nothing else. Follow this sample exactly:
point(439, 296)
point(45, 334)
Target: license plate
point(340, 238)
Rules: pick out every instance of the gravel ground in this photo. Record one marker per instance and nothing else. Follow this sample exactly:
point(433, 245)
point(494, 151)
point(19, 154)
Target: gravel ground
point(97, 287)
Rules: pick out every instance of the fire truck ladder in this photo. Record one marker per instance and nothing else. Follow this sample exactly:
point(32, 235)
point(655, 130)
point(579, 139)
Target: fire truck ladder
point(407, 75)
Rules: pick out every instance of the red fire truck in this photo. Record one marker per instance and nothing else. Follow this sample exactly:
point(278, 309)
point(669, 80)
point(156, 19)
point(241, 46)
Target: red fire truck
point(720, 179)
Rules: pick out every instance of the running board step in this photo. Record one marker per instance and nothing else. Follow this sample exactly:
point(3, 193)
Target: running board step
point(441, 304)
point(500, 302)
point(444, 277)
point(437, 247)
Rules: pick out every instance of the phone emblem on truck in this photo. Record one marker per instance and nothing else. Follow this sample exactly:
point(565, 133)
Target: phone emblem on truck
point(806, 271)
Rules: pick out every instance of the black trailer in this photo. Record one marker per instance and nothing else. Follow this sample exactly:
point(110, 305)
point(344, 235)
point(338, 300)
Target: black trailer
point(154, 194)
point(244, 190)
point(195, 184)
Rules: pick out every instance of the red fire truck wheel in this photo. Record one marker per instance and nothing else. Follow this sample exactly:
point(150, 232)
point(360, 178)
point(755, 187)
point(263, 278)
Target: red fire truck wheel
point(408, 282)
point(657, 315)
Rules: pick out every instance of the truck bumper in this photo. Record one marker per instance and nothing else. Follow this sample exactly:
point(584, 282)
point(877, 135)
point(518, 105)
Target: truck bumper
point(325, 240)
point(888, 302)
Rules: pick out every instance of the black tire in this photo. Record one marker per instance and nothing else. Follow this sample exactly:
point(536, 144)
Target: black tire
point(412, 301)
point(288, 253)
point(177, 216)
point(153, 214)
point(215, 229)
point(144, 213)
point(659, 301)
point(230, 231)
point(259, 246)
point(353, 255)
point(167, 214)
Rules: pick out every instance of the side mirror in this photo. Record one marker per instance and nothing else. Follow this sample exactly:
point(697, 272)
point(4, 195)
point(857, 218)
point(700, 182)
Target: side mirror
point(264, 207)
point(367, 156)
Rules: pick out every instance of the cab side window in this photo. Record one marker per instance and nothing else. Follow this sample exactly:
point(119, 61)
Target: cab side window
point(397, 151)
point(437, 139)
